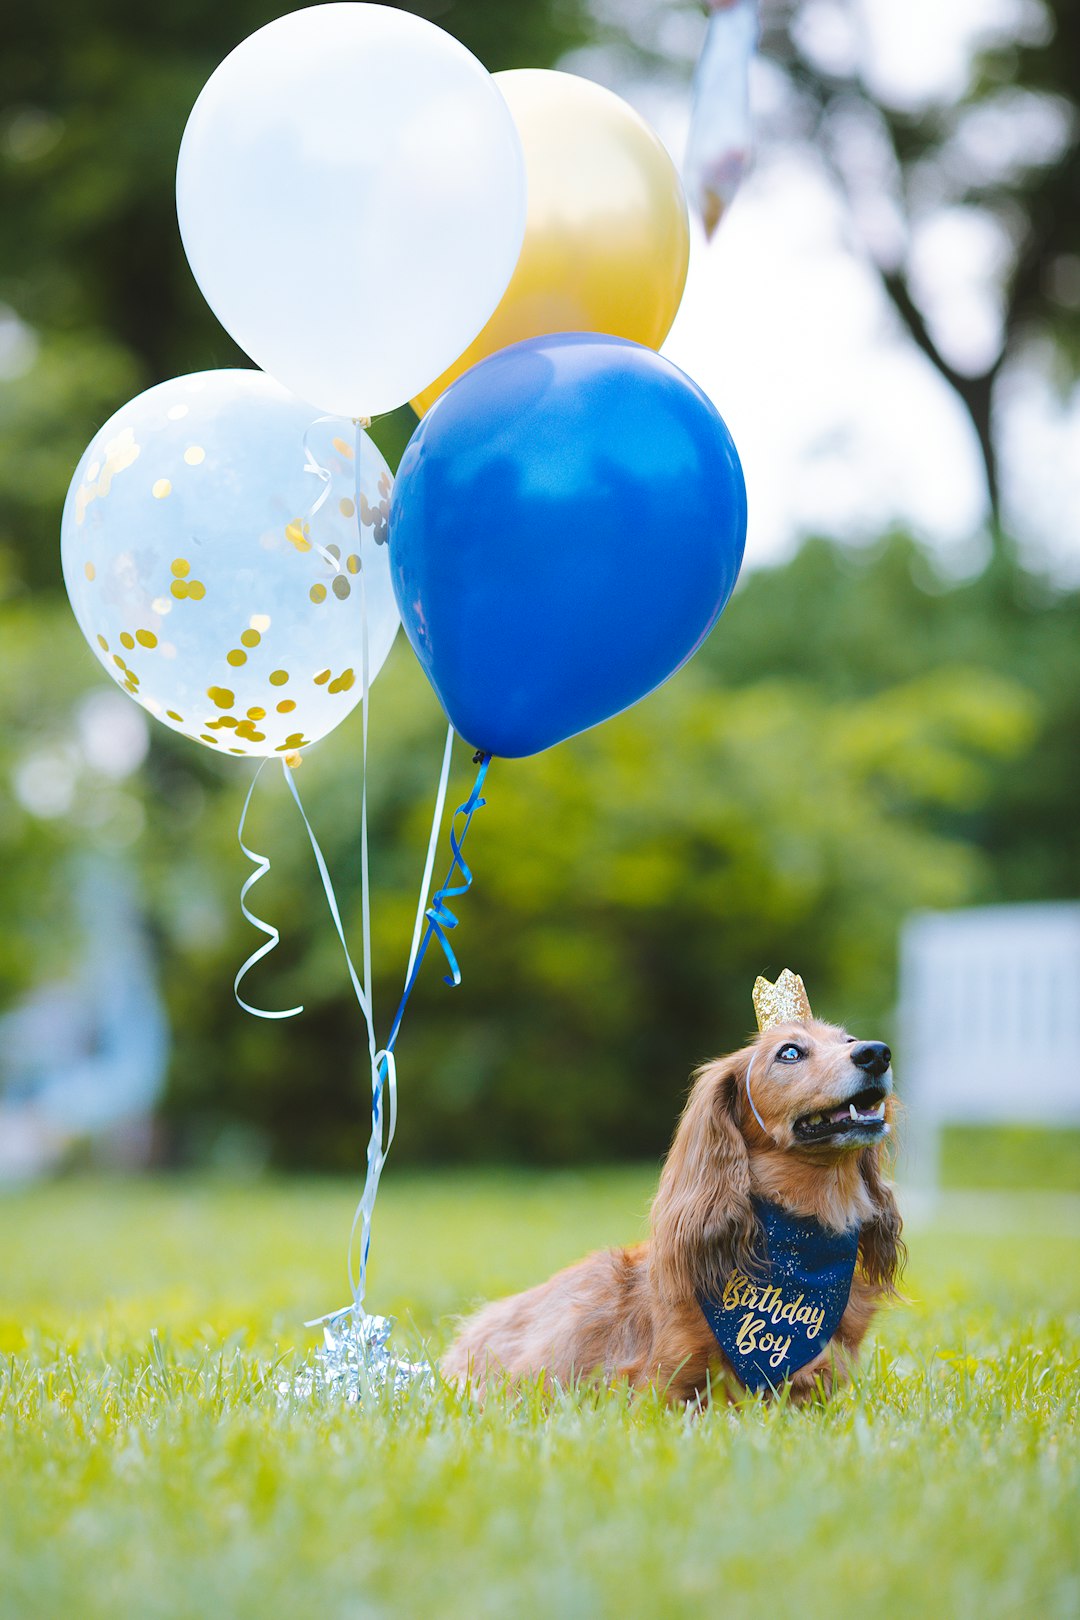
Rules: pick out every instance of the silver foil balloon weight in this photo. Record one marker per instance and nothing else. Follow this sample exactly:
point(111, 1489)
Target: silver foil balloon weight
point(357, 1363)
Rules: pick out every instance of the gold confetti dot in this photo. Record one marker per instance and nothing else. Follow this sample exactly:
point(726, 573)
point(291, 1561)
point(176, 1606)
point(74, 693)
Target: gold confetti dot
point(236, 657)
point(295, 532)
point(341, 587)
point(196, 590)
point(146, 638)
point(205, 736)
point(161, 489)
point(353, 564)
point(194, 455)
point(256, 736)
point(279, 677)
point(132, 686)
point(172, 714)
point(346, 680)
point(286, 707)
point(294, 739)
point(346, 507)
point(220, 696)
point(181, 567)
point(256, 714)
point(229, 721)
point(318, 593)
point(237, 750)
point(250, 638)
point(103, 644)
point(118, 661)
point(179, 589)
point(127, 640)
point(260, 622)
point(176, 413)
point(333, 551)
point(322, 678)
point(89, 570)
point(342, 448)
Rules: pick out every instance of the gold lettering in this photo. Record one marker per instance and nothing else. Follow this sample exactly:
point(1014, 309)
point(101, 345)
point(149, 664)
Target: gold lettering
point(749, 1327)
point(782, 1348)
point(732, 1295)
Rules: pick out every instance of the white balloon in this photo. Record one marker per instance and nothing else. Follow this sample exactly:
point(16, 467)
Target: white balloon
point(351, 198)
point(202, 579)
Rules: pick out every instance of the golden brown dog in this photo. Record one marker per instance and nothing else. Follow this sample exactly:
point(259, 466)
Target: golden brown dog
point(797, 1118)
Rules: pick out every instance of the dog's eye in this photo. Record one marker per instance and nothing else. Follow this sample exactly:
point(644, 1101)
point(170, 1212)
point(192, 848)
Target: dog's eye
point(790, 1054)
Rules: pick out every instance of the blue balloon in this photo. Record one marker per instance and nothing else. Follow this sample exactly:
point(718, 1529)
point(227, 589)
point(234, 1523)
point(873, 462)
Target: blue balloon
point(566, 527)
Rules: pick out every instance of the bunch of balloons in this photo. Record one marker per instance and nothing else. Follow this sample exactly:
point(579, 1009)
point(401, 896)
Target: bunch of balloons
point(374, 218)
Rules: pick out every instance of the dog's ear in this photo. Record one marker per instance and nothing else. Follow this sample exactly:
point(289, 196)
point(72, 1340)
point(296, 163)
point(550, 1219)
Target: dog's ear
point(703, 1223)
point(882, 1253)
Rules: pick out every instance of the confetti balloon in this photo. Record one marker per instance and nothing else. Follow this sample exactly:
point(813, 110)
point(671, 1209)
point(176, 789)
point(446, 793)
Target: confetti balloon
point(222, 548)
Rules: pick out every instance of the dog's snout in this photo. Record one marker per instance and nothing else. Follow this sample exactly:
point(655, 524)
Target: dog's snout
point(873, 1057)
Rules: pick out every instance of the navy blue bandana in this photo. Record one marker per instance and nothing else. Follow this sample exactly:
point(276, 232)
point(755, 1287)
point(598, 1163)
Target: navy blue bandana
point(771, 1324)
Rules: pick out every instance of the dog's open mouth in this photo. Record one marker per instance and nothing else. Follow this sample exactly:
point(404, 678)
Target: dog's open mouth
point(863, 1114)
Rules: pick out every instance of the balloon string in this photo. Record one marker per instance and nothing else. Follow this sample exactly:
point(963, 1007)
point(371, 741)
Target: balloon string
point(386, 1073)
point(383, 1074)
point(262, 866)
point(440, 918)
point(314, 466)
point(432, 849)
point(359, 989)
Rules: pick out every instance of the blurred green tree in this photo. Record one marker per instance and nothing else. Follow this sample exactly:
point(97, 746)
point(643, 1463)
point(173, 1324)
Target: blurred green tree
point(859, 736)
point(998, 164)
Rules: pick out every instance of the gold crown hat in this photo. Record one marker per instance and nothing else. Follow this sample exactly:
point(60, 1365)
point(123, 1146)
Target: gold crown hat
point(784, 1002)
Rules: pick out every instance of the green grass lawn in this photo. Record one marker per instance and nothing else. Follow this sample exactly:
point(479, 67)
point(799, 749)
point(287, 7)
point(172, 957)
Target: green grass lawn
point(148, 1469)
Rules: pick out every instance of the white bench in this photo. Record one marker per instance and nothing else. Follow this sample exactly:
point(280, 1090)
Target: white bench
point(989, 1022)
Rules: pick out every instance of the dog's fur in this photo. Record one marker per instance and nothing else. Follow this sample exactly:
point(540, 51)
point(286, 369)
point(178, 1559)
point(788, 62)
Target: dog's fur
point(632, 1313)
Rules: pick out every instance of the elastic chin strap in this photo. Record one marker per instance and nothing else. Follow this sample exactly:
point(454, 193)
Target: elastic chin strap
point(750, 1099)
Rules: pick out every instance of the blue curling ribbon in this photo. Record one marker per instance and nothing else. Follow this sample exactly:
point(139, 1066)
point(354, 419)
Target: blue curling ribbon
point(440, 918)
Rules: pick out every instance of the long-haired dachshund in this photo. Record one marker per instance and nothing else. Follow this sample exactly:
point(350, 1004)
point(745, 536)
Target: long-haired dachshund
point(774, 1235)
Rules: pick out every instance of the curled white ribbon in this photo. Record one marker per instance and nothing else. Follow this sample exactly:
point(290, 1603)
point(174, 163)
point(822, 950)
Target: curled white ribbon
point(262, 866)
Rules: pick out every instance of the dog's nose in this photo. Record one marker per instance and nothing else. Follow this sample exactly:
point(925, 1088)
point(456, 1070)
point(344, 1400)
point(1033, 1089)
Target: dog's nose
point(873, 1057)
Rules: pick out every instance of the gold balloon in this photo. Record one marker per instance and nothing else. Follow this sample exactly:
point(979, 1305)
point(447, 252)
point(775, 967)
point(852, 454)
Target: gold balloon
point(607, 240)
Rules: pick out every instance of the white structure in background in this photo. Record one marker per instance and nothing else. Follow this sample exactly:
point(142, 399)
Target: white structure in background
point(990, 1023)
point(83, 1059)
